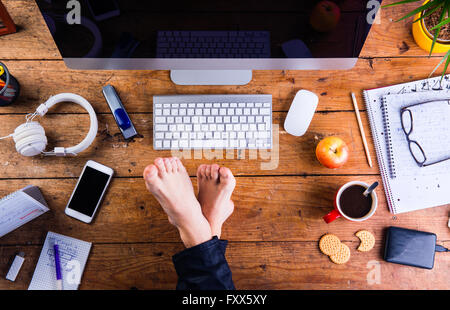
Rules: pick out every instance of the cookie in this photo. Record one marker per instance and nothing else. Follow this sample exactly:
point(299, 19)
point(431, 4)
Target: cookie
point(342, 256)
point(367, 240)
point(329, 244)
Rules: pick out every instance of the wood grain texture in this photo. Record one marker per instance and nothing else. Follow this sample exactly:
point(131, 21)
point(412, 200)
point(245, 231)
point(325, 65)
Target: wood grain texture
point(41, 79)
point(293, 156)
point(266, 209)
point(255, 265)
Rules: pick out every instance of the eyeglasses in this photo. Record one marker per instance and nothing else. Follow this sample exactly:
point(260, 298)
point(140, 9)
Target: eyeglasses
point(416, 150)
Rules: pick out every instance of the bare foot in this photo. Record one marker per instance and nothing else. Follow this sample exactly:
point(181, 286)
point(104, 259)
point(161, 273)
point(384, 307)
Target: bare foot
point(215, 186)
point(169, 182)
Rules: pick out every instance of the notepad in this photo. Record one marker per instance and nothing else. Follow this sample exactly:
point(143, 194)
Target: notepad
point(405, 191)
point(20, 207)
point(73, 255)
point(431, 129)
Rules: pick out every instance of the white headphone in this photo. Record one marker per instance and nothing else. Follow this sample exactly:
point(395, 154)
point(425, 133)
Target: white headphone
point(30, 137)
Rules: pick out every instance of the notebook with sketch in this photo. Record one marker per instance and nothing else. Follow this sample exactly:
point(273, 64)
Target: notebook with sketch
point(20, 207)
point(430, 129)
point(73, 255)
point(408, 187)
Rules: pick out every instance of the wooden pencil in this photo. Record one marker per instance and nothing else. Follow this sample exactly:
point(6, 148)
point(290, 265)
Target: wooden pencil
point(361, 129)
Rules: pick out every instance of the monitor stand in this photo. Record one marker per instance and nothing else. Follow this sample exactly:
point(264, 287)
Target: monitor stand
point(211, 77)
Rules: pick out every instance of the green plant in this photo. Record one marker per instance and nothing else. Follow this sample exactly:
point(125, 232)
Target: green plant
point(428, 9)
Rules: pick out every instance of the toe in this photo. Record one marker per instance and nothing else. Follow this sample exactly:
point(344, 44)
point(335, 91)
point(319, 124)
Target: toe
point(208, 172)
point(159, 162)
point(180, 165)
point(173, 161)
point(201, 171)
point(215, 172)
point(168, 164)
point(226, 176)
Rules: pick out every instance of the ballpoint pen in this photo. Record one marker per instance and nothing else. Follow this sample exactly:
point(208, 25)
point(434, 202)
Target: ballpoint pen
point(58, 267)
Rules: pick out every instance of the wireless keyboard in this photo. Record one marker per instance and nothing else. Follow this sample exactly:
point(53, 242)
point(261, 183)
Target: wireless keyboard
point(212, 121)
point(213, 44)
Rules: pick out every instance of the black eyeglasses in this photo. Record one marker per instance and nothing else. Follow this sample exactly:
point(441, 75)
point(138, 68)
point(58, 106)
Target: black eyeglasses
point(416, 150)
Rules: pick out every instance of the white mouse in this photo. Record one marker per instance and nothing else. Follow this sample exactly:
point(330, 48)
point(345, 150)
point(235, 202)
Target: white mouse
point(301, 113)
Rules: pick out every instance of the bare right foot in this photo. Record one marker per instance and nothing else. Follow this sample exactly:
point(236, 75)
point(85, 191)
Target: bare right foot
point(215, 186)
point(169, 182)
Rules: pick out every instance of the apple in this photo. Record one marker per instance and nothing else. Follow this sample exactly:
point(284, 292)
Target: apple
point(332, 152)
point(325, 16)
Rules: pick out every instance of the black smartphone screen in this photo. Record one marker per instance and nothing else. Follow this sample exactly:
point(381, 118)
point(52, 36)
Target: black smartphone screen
point(89, 190)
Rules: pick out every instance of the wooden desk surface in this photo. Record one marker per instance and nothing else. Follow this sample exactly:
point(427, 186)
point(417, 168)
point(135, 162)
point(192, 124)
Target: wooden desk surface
point(277, 222)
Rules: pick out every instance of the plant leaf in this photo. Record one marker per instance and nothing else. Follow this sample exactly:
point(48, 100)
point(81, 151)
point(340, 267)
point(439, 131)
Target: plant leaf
point(429, 12)
point(438, 30)
point(419, 9)
point(446, 57)
point(398, 3)
point(446, 64)
point(446, 21)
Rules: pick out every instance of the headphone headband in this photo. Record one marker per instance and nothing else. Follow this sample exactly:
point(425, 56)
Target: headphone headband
point(87, 141)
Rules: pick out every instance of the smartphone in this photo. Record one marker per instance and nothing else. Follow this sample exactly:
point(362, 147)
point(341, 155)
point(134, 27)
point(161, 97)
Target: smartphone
point(89, 191)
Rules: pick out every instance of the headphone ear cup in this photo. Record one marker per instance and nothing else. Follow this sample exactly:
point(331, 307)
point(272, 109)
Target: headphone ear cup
point(27, 129)
point(32, 145)
point(30, 139)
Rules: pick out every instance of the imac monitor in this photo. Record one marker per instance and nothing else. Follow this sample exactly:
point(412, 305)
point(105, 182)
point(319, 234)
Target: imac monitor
point(209, 42)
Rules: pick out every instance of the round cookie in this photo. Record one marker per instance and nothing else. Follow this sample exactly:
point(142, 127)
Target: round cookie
point(367, 240)
point(329, 244)
point(342, 256)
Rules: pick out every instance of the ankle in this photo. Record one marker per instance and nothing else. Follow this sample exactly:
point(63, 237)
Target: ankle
point(216, 230)
point(193, 233)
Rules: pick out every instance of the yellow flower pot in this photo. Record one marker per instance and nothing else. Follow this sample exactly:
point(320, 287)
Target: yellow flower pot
point(424, 39)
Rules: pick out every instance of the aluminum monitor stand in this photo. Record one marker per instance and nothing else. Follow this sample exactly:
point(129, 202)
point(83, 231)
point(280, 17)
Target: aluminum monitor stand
point(211, 77)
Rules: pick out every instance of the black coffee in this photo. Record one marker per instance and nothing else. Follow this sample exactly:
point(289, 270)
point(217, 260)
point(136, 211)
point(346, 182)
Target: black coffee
point(353, 203)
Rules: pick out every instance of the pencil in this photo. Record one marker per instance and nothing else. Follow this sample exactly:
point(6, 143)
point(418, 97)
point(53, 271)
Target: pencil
point(361, 129)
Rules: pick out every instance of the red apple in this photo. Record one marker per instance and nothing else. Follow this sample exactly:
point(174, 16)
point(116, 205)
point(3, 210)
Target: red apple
point(325, 16)
point(332, 152)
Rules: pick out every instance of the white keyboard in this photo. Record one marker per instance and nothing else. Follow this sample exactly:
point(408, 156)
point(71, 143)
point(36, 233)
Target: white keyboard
point(212, 121)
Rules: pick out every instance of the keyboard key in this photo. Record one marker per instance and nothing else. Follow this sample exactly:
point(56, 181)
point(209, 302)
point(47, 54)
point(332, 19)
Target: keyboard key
point(209, 124)
point(161, 127)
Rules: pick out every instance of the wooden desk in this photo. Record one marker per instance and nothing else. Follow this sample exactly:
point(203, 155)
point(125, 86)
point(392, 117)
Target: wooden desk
point(277, 222)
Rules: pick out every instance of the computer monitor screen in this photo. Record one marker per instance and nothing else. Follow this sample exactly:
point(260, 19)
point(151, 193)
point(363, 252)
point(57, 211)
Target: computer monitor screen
point(252, 34)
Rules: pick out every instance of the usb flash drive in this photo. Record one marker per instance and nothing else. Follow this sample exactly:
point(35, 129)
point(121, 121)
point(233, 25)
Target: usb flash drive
point(118, 110)
point(15, 267)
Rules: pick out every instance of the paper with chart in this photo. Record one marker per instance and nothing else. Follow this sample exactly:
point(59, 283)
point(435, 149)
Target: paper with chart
point(431, 129)
point(20, 207)
point(406, 193)
point(73, 255)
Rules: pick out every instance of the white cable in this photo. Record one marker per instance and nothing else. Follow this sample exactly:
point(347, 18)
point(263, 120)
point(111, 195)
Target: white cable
point(5, 137)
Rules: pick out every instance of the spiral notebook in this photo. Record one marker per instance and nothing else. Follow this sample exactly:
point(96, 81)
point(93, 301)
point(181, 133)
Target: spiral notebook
point(73, 255)
point(20, 207)
point(405, 191)
point(431, 129)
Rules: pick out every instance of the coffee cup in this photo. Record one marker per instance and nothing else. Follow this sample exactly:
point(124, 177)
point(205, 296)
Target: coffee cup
point(352, 204)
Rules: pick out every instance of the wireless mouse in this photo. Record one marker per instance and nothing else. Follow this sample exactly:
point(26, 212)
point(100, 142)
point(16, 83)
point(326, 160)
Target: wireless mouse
point(301, 113)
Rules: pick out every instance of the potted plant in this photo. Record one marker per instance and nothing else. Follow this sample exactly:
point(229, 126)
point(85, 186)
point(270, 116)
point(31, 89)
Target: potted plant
point(431, 27)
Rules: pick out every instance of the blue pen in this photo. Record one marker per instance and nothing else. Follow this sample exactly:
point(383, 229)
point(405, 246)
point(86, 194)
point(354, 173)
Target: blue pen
point(58, 267)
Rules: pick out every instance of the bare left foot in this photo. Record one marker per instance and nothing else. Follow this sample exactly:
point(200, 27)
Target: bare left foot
point(215, 187)
point(169, 182)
